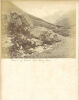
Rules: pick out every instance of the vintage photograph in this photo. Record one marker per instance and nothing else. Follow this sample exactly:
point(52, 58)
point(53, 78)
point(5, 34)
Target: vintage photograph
point(38, 29)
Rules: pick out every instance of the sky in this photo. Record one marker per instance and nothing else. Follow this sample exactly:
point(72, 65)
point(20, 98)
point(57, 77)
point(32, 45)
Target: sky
point(43, 9)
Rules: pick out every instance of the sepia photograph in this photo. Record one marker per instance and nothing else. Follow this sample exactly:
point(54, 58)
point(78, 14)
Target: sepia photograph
point(35, 29)
point(39, 49)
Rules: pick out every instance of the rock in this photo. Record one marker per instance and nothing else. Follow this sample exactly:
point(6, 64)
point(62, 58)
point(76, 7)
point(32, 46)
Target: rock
point(36, 41)
point(39, 49)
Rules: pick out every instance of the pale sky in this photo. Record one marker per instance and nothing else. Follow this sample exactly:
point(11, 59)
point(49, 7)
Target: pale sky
point(43, 9)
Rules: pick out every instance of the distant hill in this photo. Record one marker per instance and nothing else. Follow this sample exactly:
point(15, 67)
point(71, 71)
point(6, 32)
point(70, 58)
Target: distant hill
point(68, 19)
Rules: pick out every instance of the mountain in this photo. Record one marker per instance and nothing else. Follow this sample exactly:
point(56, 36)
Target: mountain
point(66, 20)
point(28, 36)
point(53, 17)
point(34, 21)
point(10, 7)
